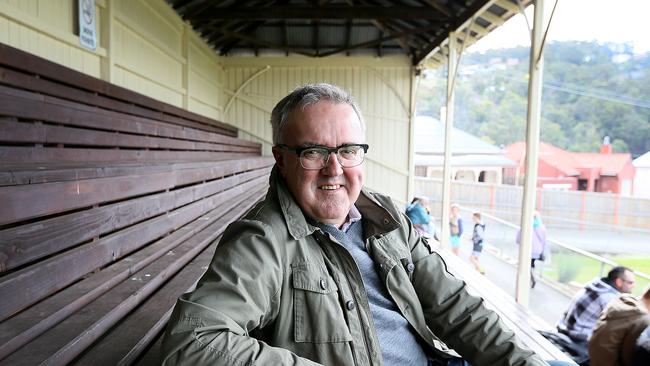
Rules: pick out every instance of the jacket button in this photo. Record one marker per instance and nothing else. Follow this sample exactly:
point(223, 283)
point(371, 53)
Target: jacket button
point(323, 284)
point(410, 267)
point(350, 305)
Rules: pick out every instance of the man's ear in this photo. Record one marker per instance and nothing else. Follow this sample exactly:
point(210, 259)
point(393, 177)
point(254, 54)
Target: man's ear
point(618, 283)
point(279, 158)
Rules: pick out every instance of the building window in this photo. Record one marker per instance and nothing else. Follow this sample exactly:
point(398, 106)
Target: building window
point(583, 184)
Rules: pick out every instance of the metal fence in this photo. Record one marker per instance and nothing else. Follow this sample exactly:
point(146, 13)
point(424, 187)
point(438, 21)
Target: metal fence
point(566, 265)
point(559, 208)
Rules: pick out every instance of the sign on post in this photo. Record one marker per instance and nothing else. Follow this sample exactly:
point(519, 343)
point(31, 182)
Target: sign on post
point(87, 24)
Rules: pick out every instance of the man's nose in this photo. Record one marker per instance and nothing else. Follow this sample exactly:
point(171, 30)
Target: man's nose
point(333, 167)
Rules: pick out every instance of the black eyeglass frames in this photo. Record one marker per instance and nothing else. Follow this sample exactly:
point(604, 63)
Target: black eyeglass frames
point(317, 157)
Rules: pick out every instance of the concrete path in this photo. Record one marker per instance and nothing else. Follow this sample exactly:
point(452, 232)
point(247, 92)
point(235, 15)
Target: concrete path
point(547, 302)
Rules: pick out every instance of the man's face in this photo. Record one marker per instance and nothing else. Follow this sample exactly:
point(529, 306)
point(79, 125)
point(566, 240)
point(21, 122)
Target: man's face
point(626, 283)
point(325, 195)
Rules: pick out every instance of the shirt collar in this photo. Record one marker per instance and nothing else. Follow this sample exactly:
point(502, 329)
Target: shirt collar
point(353, 217)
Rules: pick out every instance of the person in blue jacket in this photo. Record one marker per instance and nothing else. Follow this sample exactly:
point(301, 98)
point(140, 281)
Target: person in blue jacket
point(423, 221)
point(455, 228)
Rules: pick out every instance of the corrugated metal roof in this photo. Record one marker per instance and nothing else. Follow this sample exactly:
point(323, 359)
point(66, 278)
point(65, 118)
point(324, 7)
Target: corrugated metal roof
point(418, 29)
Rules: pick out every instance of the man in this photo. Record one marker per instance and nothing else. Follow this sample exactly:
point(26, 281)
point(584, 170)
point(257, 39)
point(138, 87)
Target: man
point(586, 307)
point(324, 271)
point(613, 340)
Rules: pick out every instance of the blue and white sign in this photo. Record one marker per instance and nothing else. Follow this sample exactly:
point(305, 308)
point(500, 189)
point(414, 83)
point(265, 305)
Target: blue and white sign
point(87, 24)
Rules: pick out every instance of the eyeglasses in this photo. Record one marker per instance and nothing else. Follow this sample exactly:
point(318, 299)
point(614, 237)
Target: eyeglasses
point(317, 157)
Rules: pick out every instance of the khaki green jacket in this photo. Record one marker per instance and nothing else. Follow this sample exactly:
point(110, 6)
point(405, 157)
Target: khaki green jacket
point(279, 291)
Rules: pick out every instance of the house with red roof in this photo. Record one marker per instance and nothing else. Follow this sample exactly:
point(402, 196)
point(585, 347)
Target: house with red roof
point(604, 171)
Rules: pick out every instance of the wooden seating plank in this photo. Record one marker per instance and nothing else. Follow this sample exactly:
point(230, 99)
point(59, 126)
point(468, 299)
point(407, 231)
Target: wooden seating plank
point(17, 174)
point(46, 155)
point(71, 265)
point(18, 132)
point(23, 244)
point(27, 325)
point(24, 81)
point(29, 82)
point(134, 292)
point(26, 62)
point(151, 341)
point(151, 356)
point(160, 128)
point(129, 339)
point(27, 105)
point(29, 201)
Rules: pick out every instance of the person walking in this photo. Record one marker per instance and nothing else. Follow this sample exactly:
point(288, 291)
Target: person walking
point(478, 236)
point(455, 228)
point(538, 244)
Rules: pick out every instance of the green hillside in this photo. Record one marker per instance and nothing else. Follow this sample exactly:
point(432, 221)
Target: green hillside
point(590, 91)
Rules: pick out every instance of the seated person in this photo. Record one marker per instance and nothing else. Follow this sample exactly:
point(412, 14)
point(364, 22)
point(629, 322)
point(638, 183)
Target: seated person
point(585, 308)
point(326, 271)
point(614, 337)
point(418, 213)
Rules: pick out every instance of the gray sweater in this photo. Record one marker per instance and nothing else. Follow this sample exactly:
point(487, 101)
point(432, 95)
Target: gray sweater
point(398, 341)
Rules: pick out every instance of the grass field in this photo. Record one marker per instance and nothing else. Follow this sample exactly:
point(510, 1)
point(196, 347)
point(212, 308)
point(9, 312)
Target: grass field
point(565, 268)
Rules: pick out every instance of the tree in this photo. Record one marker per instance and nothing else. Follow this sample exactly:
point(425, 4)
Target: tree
point(590, 91)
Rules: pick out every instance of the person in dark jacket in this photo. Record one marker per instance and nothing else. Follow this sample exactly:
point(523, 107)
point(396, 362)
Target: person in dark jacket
point(478, 235)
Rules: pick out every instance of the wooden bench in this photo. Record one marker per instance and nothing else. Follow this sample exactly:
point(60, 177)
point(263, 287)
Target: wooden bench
point(519, 319)
point(110, 207)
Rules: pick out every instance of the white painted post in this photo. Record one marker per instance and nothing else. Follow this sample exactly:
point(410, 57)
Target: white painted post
point(449, 121)
point(532, 149)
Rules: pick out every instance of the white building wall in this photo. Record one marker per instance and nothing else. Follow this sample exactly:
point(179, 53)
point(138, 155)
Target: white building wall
point(642, 182)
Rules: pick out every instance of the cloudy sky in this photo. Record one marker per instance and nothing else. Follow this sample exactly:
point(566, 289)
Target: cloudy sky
point(620, 21)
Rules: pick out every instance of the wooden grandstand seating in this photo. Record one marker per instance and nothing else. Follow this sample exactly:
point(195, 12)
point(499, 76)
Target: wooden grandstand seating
point(519, 319)
point(110, 205)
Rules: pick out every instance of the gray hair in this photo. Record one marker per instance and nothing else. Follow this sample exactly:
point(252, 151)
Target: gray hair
point(305, 96)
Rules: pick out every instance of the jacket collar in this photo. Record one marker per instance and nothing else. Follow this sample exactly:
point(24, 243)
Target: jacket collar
point(377, 220)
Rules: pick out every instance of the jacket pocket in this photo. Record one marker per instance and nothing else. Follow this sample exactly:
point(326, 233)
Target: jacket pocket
point(318, 315)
